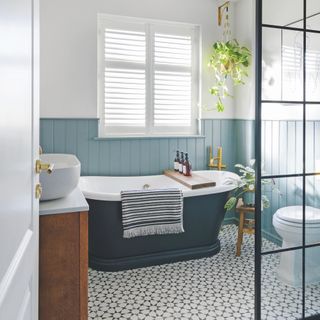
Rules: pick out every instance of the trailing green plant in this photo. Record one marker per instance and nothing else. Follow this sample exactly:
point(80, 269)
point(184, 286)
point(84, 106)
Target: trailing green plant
point(229, 60)
point(246, 183)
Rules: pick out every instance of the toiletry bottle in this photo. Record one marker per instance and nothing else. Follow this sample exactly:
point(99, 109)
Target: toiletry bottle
point(187, 169)
point(181, 163)
point(176, 162)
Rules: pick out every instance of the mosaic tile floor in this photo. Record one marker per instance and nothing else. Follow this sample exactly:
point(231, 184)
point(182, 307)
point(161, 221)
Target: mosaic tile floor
point(220, 287)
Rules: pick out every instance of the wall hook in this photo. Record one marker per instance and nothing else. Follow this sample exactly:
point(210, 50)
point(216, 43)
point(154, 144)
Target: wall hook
point(221, 9)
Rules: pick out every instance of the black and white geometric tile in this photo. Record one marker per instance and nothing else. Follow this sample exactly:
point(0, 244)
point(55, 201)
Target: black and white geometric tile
point(216, 288)
point(280, 301)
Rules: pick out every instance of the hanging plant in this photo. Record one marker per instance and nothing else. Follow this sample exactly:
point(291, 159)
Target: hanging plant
point(229, 61)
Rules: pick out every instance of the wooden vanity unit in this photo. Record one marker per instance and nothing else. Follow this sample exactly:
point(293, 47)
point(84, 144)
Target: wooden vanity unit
point(63, 259)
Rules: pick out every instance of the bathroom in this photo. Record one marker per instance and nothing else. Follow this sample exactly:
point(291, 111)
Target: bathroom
point(111, 90)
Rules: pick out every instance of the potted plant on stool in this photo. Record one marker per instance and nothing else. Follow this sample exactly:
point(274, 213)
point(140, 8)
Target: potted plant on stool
point(246, 187)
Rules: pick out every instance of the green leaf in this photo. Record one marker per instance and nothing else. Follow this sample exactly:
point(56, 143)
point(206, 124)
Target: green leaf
point(230, 204)
point(238, 165)
point(220, 106)
point(214, 91)
point(265, 202)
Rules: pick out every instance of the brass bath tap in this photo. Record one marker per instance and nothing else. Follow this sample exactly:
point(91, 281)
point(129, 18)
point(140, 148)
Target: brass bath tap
point(216, 162)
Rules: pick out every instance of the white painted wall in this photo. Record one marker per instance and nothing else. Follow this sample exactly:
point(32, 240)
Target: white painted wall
point(69, 49)
point(244, 106)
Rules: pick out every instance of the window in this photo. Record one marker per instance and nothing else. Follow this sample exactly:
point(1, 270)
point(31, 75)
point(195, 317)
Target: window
point(148, 77)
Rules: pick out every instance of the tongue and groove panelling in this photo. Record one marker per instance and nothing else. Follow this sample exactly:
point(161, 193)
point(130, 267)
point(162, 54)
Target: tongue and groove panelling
point(281, 153)
point(135, 156)
point(143, 156)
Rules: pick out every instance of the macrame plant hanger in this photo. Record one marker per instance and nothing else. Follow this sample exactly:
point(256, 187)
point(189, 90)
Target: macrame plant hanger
point(223, 20)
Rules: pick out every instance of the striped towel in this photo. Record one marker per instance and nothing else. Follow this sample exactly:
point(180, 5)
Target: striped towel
point(149, 212)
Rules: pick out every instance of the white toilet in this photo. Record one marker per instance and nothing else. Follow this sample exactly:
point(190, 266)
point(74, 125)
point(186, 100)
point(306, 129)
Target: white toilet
point(288, 223)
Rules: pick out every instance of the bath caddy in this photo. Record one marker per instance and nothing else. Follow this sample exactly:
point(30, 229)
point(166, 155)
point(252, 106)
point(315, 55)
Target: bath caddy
point(193, 182)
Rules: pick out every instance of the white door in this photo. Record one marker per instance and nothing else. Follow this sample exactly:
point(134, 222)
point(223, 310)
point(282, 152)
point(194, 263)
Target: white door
point(19, 210)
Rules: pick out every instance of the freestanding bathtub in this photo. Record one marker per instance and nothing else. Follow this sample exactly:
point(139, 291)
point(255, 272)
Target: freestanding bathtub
point(203, 214)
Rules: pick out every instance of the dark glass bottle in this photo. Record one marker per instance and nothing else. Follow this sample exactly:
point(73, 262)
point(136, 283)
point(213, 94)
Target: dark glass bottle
point(181, 163)
point(176, 161)
point(187, 168)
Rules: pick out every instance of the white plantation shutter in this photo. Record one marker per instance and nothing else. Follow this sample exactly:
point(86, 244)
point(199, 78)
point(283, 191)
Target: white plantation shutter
point(172, 89)
point(124, 45)
point(172, 100)
point(124, 83)
point(148, 77)
point(173, 50)
point(124, 103)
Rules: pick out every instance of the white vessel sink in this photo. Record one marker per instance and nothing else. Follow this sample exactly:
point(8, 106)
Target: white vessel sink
point(64, 177)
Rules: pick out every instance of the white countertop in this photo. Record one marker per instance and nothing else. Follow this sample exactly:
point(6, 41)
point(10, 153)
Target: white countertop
point(74, 202)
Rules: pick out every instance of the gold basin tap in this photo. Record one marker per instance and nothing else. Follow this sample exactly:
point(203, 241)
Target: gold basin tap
point(216, 162)
point(40, 166)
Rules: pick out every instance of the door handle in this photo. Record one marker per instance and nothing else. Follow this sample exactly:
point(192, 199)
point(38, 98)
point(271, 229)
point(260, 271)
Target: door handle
point(40, 166)
point(38, 191)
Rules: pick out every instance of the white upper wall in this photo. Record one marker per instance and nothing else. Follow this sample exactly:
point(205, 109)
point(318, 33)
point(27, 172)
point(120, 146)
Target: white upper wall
point(68, 51)
point(244, 106)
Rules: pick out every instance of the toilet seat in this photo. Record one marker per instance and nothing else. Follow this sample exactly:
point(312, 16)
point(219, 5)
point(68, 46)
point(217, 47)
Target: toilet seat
point(288, 220)
point(292, 216)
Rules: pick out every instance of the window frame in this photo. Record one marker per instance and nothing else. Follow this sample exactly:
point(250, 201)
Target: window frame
point(150, 26)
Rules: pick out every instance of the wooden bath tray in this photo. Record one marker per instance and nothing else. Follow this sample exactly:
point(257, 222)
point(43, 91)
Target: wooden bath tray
point(193, 182)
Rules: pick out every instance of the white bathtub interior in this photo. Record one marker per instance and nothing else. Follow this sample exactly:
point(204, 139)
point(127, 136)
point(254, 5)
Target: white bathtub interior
point(108, 188)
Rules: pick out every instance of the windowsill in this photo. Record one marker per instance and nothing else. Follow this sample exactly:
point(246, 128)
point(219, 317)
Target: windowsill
point(149, 137)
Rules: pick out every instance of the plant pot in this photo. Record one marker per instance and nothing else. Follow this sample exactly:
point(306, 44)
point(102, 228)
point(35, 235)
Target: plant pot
point(249, 198)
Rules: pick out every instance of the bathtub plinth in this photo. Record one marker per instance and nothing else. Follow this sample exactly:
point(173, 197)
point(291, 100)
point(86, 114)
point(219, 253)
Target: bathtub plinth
point(153, 259)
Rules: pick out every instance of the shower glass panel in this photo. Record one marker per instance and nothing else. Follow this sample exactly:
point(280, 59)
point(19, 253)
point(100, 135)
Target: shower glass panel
point(281, 138)
point(287, 131)
point(313, 180)
point(313, 214)
point(292, 50)
point(313, 16)
point(313, 141)
point(312, 289)
point(282, 56)
point(281, 193)
point(281, 296)
point(313, 66)
point(282, 12)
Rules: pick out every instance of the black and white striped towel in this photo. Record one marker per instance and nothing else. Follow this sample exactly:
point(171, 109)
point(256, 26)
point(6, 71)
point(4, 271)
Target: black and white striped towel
point(149, 212)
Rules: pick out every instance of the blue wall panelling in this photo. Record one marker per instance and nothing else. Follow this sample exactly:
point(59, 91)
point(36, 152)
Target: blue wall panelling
point(140, 156)
point(134, 156)
point(281, 153)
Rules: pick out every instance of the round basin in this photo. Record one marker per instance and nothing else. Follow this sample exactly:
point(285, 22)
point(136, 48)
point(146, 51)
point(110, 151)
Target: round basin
point(64, 177)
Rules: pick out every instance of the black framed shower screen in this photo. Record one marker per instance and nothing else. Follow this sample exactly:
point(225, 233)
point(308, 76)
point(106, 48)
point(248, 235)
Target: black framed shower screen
point(303, 174)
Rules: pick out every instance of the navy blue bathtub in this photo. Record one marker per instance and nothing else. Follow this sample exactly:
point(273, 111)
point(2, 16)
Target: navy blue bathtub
point(203, 216)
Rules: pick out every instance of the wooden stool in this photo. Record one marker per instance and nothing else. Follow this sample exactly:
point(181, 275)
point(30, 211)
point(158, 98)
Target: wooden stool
point(245, 225)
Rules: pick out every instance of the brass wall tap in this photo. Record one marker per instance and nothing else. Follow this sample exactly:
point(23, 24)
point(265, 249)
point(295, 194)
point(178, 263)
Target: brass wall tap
point(216, 162)
point(40, 166)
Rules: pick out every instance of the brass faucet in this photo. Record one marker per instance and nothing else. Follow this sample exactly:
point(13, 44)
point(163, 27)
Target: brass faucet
point(40, 166)
point(217, 159)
